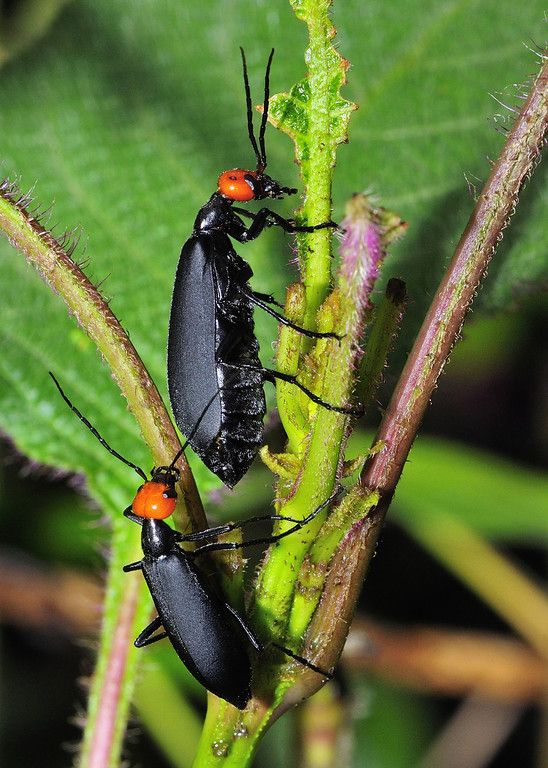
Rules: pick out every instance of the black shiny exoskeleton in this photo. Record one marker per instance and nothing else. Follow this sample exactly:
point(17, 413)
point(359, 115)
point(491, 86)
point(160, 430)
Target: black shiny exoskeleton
point(207, 635)
point(212, 345)
point(214, 642)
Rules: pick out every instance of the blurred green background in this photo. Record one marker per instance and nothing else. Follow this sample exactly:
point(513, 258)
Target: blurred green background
point(123, 115)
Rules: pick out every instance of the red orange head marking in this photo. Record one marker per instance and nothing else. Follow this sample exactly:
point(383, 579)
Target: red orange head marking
point(154, 501)
point(234, 185)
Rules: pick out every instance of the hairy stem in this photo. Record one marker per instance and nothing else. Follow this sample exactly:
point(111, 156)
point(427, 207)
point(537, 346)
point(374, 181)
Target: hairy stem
point(441, 327)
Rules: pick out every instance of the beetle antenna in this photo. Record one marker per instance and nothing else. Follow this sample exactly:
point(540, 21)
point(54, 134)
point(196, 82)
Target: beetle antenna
point(194, 429)
point(262, 164)
point(249, 106)
point(94, 432)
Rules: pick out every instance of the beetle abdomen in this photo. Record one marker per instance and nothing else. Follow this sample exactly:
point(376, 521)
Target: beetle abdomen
point(191, 361)
point(213, 357)
point(203, 631)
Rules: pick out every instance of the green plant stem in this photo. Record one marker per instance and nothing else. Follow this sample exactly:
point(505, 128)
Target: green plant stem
point(352, 511)
point(381, 335)
point(230, 737)
point(317, 168)
point(111, 692)
point(316, 164)
point(317, 447)
point(341, 589)
point(275, 589)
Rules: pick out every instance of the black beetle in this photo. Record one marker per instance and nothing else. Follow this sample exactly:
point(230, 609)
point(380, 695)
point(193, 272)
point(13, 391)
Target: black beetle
point(213, 641)
point(211, 332)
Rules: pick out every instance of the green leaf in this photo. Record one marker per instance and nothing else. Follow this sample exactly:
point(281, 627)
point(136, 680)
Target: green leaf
point(498, 498)
point(165, 713)
point(421, 74)
point(391, 727)
point(114, 140)
point(291, 112)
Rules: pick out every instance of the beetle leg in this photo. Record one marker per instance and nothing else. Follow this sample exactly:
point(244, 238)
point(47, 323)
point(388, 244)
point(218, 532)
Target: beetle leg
point(267, 218)
point(147, 636)
point(219, 530)
point(133, 566)
point(243, 212)
point(288, 225)
point(252, 639)
point(272, 375)
point(220, 545)
point(130, 514)
point(303, 661)
point(256, 643)
point(258, 300)
point(268, 299)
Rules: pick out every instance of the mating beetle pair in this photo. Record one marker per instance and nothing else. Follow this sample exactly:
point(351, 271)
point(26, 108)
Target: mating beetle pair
point(216, 389)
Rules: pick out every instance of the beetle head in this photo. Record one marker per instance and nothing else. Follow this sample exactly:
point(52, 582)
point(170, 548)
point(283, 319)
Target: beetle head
point(240, 185)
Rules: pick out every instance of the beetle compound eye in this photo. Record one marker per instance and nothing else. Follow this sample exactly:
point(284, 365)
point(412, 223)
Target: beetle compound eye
point(153, 501)
point(235, 186)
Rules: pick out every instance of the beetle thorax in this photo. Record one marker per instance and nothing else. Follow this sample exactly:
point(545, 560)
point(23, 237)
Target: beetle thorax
point(157, 538)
